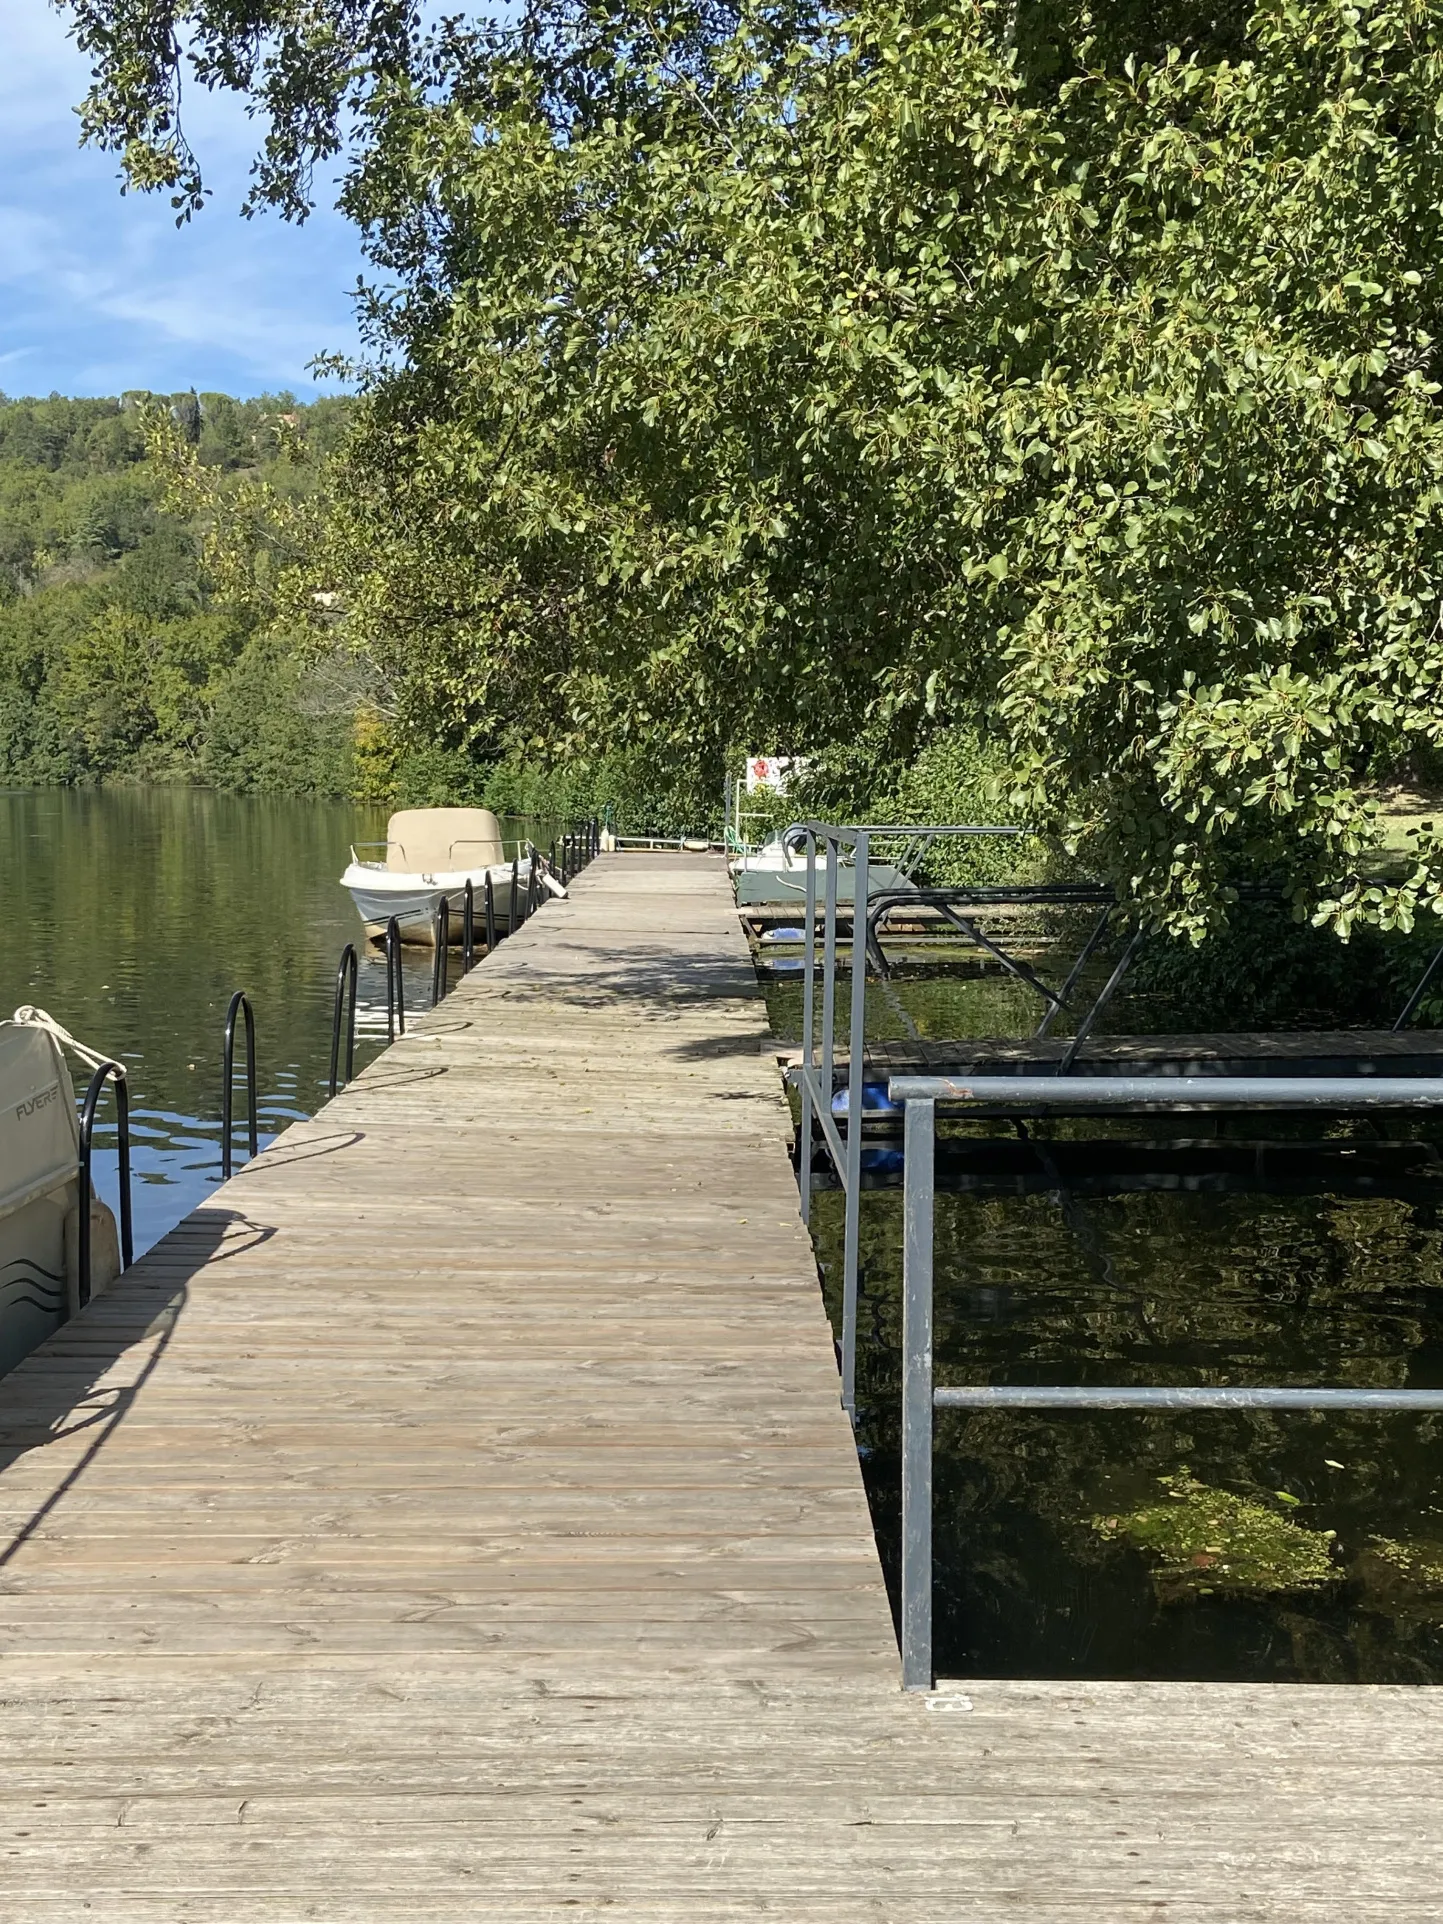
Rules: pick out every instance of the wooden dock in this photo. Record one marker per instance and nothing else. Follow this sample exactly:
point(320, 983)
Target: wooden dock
point(455, 1520)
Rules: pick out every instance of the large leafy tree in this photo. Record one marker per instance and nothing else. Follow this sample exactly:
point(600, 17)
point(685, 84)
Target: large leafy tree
point(837, 377)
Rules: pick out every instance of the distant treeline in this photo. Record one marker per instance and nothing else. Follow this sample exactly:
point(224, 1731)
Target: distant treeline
point(119, 660)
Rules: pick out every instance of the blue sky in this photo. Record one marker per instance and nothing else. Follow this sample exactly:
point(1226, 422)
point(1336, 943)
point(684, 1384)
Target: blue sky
point(100, 292)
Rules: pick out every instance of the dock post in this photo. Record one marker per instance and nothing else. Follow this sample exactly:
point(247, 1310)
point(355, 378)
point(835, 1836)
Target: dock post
point(917, 1202)
point(490, 930)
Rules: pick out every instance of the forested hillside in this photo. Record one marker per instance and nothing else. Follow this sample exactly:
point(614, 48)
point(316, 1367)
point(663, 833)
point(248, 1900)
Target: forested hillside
point(119, 658)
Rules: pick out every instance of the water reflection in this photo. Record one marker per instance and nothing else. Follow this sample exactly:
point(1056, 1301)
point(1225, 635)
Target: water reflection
point(1122, 1251)
point(132, 915)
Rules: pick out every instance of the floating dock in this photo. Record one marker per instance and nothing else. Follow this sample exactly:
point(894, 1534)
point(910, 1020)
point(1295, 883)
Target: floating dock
point(455, 1520)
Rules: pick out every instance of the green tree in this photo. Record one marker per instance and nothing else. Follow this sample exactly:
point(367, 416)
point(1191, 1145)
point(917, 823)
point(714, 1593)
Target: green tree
point(862, 375)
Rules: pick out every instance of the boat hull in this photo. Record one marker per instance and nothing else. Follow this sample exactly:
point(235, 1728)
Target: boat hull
point(758, 884)
point(414, 900)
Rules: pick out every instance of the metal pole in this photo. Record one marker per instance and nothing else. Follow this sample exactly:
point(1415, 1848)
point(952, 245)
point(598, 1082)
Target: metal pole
point(1176, 1092)
point(345, 972)
point(920, 1142)
point(1085, 1027)
point(1075, 973)
point(804, 1141)
point(1405, 1015)
point(852, 1183)
point(490, 910)
point(239, 1002)
point(1030, 1396)
point(395, 987)
point(441, 960)
point(105, 1070)
point(511, 917)
point(829, 969)
point(468, 927)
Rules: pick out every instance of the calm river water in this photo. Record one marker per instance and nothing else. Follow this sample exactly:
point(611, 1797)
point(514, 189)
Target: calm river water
point(1263, 1250)
point(132, 915)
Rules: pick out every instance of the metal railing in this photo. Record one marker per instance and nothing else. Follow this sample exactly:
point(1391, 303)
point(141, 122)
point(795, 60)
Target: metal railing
point(441, 951)
point(921, 1397)
point(239, 1004)
point(395, 983)
point(346, 973)
point(949, 904)
point(105, 1072)
point(816, 1076)
point(1410, 1007)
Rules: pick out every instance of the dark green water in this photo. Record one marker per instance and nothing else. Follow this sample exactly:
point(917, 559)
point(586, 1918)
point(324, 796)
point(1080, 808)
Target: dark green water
point(132, 914)
point(1234, 1250)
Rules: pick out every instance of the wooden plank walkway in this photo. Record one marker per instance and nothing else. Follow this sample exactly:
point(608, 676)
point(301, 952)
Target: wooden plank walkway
point(454, 1520)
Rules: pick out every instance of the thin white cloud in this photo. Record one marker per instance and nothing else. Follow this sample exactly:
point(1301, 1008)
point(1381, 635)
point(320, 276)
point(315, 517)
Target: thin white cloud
point(103, 291)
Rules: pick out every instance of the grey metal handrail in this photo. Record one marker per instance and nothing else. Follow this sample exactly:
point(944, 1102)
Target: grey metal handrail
point(815, 1078)
point(921, 1397)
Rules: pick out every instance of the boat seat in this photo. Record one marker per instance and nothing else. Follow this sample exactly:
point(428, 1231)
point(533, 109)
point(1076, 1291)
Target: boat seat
point(433, 841)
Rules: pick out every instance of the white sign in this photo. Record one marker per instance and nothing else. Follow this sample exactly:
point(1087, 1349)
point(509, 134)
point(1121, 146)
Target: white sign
point(771, 772)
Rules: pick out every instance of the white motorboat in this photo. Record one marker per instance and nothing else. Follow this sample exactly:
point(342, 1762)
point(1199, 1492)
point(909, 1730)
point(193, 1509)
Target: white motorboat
point(777, 872)
point(40, 1191)
point(431, 852)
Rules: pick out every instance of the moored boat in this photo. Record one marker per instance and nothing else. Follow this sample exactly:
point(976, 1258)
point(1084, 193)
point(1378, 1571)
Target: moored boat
point(40, 1192)
point(777, 872)
point(431, 852)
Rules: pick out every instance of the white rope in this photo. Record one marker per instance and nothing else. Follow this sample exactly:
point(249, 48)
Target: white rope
point(28, 1016)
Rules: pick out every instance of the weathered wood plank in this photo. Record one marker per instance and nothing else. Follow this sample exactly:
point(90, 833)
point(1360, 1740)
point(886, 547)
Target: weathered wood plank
point(455, 1519)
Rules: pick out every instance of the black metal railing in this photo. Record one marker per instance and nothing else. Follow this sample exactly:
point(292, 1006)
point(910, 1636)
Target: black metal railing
point(441, 958)
point(239, 1004)
point(345, 977)
point(105, 1072)
point(395, 984)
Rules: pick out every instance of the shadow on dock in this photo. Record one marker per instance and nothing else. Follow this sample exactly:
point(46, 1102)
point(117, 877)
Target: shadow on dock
point(59, 1392)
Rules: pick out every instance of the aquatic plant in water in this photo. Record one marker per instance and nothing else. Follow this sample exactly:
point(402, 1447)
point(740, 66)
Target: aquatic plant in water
point(1402, 1579)
point(1205, 1541)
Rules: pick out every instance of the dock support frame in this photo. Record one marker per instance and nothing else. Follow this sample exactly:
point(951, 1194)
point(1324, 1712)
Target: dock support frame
point(920, 1395)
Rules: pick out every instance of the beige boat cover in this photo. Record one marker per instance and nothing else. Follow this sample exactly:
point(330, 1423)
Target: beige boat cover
point(39, 1130)
point(432, 841)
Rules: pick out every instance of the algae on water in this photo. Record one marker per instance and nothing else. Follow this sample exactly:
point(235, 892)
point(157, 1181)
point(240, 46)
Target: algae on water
point(1403, 1579)
point(1205, 1541)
